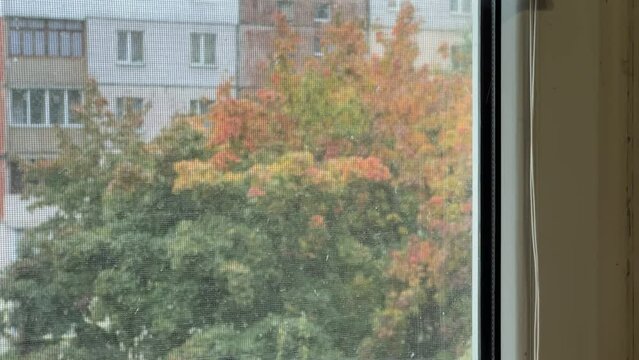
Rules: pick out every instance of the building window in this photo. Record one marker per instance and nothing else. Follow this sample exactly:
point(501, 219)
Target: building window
point(392, 4)
point(130, 47)
point(460, 6)
point(202, 49)
point(286, 8)
point(33, 37)
point(124, 105)
point(200, 106)
point(317, 46)
point(323, 13)
point(44, 107)
point(16, 182)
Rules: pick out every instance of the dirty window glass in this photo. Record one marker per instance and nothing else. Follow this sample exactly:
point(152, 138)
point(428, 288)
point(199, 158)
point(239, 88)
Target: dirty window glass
point(238, 179)
point(56, 106)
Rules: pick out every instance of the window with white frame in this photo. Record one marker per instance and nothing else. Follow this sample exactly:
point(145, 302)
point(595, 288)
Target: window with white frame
point(127, 103)
point(202, 49)
point(199, 106)
point(323, 13)
point(317, 46)
point(130, 47)
point(44, 107)
point(285, 7)
point(460, 6)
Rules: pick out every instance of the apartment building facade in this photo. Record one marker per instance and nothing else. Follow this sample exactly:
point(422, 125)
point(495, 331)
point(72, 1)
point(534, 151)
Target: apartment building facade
point(169, 54)
point(444, 27)
point(308, 19)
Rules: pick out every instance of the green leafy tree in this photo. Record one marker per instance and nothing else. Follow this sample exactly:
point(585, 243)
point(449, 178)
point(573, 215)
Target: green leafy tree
point(326, 218)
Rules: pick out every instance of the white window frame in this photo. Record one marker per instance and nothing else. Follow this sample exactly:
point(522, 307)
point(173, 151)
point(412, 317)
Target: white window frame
point(286, 7)
point(129, 48)
point(201, 37)
point(201, 104)
point(120, 109)
point(459, 4)
point(47, 109)
point(317, 40)
point(317, 10)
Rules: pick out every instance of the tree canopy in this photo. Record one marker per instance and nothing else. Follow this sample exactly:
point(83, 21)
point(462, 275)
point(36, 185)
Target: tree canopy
point(326, 217)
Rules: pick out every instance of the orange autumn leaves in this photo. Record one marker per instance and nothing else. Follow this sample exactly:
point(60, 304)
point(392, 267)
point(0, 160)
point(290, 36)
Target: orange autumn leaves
point(391, 113)
point(330, 175)
point(381, 119)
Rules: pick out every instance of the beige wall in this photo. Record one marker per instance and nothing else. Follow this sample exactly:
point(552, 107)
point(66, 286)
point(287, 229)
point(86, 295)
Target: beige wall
point(582, 119)
point(34, 142)
point(24, 72)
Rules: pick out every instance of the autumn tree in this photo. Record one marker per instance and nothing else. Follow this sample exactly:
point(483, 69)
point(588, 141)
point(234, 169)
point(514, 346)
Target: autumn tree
point(328, 217)
point(348, 115)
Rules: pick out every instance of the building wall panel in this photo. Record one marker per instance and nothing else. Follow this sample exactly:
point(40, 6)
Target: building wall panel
point(34, 142)
point(262, 12)
point(165, 102)
point(429, 42)
point(432, 14)
point(43, 72)
point(206, 11)
point(166, 54)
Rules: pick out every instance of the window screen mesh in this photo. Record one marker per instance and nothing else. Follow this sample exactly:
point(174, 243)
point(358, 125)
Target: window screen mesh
point(238, 179)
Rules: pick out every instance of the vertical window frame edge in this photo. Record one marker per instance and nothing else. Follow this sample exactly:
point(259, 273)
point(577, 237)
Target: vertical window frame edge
point(489, 291)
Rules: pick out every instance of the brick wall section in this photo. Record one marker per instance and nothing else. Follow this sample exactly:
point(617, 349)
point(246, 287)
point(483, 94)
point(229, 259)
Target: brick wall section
point(257, 33)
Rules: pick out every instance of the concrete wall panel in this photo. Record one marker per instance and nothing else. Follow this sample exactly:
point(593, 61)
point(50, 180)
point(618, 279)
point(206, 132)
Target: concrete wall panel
point(165, 102)
point(262, 12)
point(167, 54)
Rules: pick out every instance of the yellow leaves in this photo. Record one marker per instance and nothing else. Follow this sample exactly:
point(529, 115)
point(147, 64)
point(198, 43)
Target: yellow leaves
point(233, 177)
point(291, 164)
point(346, 169)
point(299, 167)
point(194, 173)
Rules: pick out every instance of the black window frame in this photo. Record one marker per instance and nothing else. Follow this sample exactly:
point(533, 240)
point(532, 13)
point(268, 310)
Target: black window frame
point(489, 288)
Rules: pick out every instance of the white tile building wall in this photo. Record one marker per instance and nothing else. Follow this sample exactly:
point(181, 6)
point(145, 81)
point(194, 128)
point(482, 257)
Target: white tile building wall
point(166, 79)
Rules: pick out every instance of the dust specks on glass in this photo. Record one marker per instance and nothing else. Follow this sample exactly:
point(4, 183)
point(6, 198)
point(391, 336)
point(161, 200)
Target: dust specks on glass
point(238, 179)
